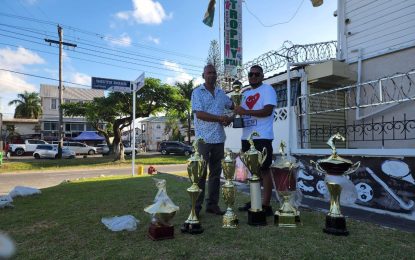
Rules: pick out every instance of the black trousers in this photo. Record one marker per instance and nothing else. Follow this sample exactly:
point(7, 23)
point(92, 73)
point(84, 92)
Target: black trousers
point(213, 155)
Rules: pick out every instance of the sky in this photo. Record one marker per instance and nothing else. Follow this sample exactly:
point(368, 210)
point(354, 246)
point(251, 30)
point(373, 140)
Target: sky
point(120, 39)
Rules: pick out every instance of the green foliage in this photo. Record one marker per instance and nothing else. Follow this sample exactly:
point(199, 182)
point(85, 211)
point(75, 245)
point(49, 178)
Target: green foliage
point(64, 222)
point(28, 105)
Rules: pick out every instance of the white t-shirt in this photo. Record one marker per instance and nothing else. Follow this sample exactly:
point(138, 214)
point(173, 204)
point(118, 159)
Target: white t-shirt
point(256, 99)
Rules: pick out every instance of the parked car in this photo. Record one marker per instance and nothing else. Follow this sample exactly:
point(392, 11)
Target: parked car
point(79, 148)
point(167, 147)
point(28, 146)
point(129, 150)
point(102, 149)
point(51, 151)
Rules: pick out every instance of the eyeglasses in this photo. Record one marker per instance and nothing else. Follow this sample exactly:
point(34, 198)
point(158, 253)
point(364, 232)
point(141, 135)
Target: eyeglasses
point(256, 74)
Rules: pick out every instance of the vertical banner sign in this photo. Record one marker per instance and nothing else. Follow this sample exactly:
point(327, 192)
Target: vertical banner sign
point(233, 36)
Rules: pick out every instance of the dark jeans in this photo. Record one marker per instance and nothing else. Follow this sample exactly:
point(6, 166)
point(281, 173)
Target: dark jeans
point(213, 155)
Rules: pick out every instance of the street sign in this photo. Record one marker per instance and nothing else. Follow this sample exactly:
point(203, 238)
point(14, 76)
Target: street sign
point(115, 85)
point(139, 82)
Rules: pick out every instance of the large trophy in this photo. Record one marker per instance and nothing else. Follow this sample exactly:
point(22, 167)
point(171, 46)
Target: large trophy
point(195, 166)
point(335, 166)
point(253, 159)
point(284, 172)
point(238, 121)
point(230, 220)
point(162, 210)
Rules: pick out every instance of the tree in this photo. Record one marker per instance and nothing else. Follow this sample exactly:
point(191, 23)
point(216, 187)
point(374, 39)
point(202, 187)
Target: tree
point(172, 129)
point(214, 58)
point(185, 113)
point(116, 109)
point(27, 105)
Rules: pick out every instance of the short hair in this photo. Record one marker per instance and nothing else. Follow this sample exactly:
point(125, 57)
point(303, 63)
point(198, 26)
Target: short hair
point(258, 67)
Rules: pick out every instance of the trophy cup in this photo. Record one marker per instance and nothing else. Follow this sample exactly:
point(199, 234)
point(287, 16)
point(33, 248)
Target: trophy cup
point(230, 220)
point(253, 159)
point(163, 210)
point(283, 169)
point(337, 166)
point(195, 165)
point(238, 121)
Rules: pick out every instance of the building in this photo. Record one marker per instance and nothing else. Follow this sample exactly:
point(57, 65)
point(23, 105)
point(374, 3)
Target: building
point(49, 121)
point(365, 91)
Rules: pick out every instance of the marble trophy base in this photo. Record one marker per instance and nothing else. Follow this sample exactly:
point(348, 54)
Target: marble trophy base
point(336, 226)
point(257, 218)
point(157, 232)
point(192, 228)
point(286, 219)
point(238, 122)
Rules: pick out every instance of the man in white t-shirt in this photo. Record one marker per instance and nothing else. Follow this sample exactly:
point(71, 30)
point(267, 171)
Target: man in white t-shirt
point(257, 107)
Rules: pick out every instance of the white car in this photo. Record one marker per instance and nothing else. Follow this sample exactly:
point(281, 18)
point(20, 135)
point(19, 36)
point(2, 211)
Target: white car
point(79, 148)
point(51, 151)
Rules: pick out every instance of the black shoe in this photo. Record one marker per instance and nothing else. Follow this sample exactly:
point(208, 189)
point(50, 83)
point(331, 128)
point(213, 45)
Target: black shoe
point(268, 210)
point(245, 207)
point(215, 210)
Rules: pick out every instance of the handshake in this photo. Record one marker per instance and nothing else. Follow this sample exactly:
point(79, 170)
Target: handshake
point(225, 120)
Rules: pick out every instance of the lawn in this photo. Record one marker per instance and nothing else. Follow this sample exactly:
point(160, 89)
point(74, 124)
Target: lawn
point(64, 223)
point(106, 161)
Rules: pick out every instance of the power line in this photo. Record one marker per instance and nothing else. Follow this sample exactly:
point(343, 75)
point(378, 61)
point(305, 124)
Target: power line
point(98, 35)
point(275, 24)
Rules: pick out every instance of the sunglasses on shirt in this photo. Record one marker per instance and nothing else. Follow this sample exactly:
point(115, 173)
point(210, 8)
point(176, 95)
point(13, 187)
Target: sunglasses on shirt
point(256, 74)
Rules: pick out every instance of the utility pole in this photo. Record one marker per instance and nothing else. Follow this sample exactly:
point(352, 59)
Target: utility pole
point(61, 43)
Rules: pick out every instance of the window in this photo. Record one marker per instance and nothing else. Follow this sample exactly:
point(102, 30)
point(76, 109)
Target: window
point(158, 126)
point(71, 127)
point(281, 90)
point(53, 104)
point(50, 126)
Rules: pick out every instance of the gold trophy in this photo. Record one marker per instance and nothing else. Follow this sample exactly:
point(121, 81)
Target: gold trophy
point(337, 166)
point(253, 159)
point(195, 165)
point(238, 121)
point(283, 170)
point(162, 210)
point(230, 220)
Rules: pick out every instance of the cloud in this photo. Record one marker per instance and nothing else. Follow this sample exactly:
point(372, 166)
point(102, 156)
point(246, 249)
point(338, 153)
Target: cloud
point(123, 40)
point(146, 12)
point(181, 74)
point(17, 59)
point(153, 39)
point(81, 78)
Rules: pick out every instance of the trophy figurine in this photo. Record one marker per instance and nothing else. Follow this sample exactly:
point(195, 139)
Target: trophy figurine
point(284, 172)
point(337, 166)
point(195, 165)
point(238, 121)
point(253, 159)
point(163, 210)
point(230, 220)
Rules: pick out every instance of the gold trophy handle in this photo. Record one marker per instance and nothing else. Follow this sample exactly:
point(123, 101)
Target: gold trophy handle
point(264, 154)
point(353, 168)
point(318, 168)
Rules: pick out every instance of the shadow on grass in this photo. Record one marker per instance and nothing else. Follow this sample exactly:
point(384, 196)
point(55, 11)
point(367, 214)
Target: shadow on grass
point(64, 222)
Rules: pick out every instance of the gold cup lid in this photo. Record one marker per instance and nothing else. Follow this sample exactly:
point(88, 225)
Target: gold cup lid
point(196, 156)
point(284, 161)
point(228, 156)
point(334, 158)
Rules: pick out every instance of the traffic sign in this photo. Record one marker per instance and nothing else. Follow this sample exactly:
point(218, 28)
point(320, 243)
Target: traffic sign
point(139, 82)
point(115, 85)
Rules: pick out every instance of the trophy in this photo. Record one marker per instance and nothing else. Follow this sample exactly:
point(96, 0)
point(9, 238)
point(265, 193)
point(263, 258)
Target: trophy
point(337, 166)
point(195, 165)
point(283, 170)
point(253, 159)
point(238, 121)
point(163, 210)
point(230, 220)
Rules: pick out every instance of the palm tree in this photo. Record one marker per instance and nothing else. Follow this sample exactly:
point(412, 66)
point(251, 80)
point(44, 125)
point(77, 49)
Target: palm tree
point(186, 89)
point(27, 105)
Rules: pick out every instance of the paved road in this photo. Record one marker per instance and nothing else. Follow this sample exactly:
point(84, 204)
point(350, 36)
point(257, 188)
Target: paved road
point(44, 179)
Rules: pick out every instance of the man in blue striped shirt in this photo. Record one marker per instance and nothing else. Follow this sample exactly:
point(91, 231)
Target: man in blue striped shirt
point(208, 105)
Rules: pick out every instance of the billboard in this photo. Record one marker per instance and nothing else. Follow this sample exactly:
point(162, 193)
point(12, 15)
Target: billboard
point(233, 36)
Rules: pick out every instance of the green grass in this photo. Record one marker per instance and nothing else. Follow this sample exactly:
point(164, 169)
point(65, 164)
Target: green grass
point(106, 161)
point(64, 222)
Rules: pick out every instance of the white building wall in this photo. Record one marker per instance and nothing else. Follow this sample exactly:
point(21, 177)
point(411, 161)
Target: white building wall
point(376, 27)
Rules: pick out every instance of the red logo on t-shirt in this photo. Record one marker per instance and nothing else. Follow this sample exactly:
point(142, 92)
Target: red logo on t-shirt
point(251, 100)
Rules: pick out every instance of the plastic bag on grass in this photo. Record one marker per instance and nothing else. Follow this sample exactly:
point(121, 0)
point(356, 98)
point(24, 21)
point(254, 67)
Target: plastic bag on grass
point(119, 223)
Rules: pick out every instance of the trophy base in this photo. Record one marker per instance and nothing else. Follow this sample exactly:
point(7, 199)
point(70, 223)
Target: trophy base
point(286, 219)
point(257, 218)
point(156, 232)
point(192, 228)
point(336, 226)
point(238, 122)
point(230, 221)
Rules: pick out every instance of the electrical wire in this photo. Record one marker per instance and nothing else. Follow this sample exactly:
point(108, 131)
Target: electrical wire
point(275, 24)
